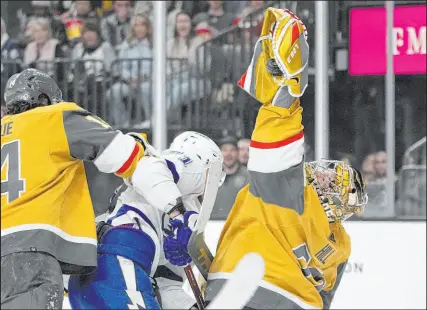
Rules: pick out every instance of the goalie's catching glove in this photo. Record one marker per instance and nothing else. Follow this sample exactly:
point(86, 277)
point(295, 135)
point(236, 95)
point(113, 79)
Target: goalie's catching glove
point(175, 244)
point(279, 66)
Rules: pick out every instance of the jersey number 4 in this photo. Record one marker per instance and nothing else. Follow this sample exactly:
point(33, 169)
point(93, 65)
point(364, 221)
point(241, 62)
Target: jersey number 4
point(12, 185)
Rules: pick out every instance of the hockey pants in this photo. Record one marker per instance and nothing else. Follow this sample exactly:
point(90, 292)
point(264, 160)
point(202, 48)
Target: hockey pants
point(31, 280)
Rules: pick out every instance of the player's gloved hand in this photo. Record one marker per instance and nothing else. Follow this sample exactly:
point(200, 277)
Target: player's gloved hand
point(175, 244)
point(149, 150)
point(142, 138)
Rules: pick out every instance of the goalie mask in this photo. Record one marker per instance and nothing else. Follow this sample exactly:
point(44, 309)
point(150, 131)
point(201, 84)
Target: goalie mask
point(340, 187)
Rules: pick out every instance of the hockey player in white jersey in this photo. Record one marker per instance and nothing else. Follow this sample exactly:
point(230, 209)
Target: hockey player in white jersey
point(146, 244)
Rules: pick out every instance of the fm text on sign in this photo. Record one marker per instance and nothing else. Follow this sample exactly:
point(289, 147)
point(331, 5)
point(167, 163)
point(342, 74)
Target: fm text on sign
point(368, 40)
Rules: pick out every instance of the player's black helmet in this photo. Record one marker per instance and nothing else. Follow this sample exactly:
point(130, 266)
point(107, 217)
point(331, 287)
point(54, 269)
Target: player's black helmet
point(25, 91)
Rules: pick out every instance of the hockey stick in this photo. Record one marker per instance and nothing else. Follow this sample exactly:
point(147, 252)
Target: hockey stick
point(197, 248)
point(194, 287)
point(242, 285)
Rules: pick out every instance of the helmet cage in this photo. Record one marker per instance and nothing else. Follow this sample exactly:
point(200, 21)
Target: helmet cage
point(340, 187)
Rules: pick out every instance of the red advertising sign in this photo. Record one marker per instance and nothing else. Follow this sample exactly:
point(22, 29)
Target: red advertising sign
point(368, 45)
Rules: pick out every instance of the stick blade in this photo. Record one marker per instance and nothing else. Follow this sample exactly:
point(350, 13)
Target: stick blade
point(242, 285)
point(211, 190)
point(197, 248)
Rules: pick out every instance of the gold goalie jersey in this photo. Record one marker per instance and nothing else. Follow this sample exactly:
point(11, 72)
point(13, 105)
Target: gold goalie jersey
point(45, 201)
point(279, 215)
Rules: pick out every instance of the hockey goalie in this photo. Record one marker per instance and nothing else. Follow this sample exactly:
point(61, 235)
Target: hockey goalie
point(292, 211)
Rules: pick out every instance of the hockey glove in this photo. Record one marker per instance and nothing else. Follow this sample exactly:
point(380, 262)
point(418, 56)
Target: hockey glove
point(142, 138)
point(175, 244)
point(280, 60)
point(149, 150)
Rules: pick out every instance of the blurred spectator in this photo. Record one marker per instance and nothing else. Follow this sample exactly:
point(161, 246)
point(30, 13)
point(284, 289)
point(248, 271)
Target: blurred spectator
point(218, 18)
point(10, 53)
point(347, 158)
point(43, 50)
point(73, 19)
point(93, 47)
point(103, 7)
point(234, 7)
point(243, 146)
point(135, 74)
point(201, 17)
point(59, 6)
point(237, 177)
point(380, 166)
point(41, 9)
point(251, 16)
point(115, 27)
point(197, 7)
point(179, 90)
point(173, 9)
point(251, 7)
point(82, 10)
point(144, 8)
point(368, 168)
point(178, 46)
point(93, 58)
point(238, 51)
point(203, 54)
point(203, 33)
point(374, 169)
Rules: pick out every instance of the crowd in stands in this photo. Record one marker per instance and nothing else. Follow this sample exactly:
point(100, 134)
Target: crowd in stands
point(100, 52)
point(108, 49)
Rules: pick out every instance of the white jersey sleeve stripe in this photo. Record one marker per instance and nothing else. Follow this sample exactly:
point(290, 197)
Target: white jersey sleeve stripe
point(276, 158)
point(116, 153)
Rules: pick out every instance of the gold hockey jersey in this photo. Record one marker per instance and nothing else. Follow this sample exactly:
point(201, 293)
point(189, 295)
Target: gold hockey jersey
point(45, 200)
point(280, 217)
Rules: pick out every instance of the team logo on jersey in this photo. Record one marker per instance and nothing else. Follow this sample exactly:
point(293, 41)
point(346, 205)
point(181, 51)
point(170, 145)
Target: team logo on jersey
point(325, 253)
point(185, 160)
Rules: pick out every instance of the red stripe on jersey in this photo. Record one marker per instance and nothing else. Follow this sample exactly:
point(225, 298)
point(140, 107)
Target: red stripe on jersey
point(129, 162)
point(274, 145)
point(295, 32)
point(242, 80)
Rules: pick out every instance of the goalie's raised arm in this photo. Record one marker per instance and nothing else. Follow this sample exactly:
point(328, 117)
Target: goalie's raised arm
point(277, 77)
